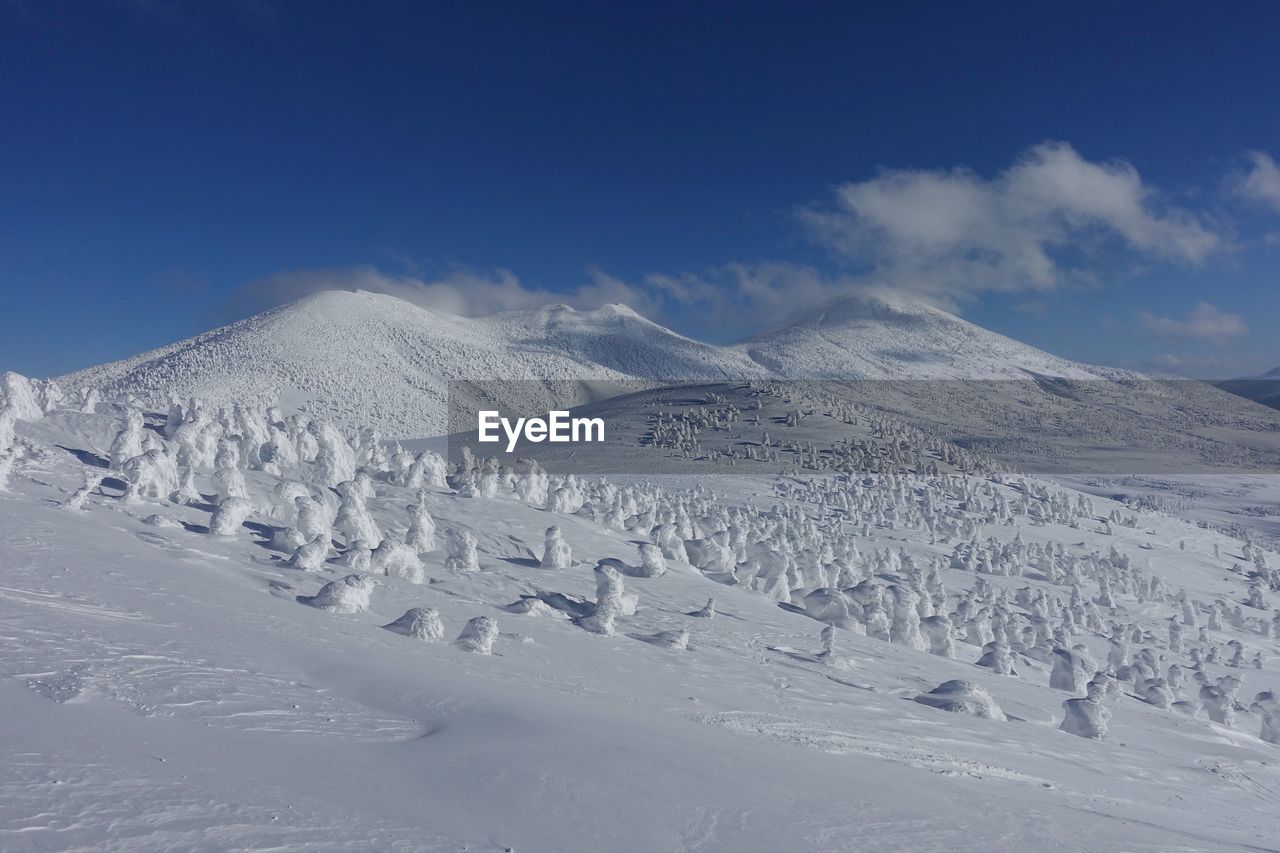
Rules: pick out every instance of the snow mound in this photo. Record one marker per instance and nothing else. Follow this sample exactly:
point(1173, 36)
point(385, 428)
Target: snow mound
point(345, 595)
point(418, 623)
point(962, 697)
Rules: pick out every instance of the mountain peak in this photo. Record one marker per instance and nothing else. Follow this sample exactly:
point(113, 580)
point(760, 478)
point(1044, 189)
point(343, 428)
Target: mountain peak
point(360, 356)
point(878, 335)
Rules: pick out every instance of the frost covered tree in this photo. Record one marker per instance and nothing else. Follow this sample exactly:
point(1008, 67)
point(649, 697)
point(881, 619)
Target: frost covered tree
point(828, 643)
point(462, 552)
point(397, 560)
point(8, 459)
point(996, 656)
point(962, 697)
point(609, 601)
point(667, 537)
point(354, 520)
point(92, 479)
point(940, 634)
point(335, 461)
point(421, 535)
point(229, 516)
point(1072, 669)
point(556, 553)
point(418, 623)
point(310, 556)
point(7, 429)
point(312, 520)
point(1156, 691)
point(151, 475)
point(652, 563)
point(128, 441)
point(18, 394)
point(1266, 705)
point(348, 594)
point(829, 605)
point(478, 635)
point(228, 477)
point(358, 557)
point(89, 401)
point(905, 628)
point(1086, 717)
point(531, 482)
point(1219, 700)
point(707, 611)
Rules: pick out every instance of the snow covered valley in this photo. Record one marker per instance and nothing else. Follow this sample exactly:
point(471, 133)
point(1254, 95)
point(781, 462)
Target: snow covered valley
point(206, 648)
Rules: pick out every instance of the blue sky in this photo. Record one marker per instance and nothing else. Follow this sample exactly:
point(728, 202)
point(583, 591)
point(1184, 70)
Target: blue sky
point(1094, 179)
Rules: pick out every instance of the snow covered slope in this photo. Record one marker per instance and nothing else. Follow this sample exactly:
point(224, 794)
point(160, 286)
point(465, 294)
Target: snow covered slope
point(384, 362)
point(888, 336)
point(165, 684)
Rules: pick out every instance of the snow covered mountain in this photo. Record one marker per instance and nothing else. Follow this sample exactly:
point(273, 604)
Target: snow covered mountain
point(377, 359)
point(889, 336)
point(1264, 388)
point(383, 361)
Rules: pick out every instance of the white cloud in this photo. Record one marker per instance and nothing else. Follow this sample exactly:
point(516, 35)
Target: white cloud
point(1049, 218)
point(1203, 324)
point(1261, 182)
point(741, 298)
point(462, 291)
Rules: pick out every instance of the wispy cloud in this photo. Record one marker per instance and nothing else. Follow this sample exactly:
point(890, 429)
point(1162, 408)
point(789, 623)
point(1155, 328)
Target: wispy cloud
point(1051, 217)
point(463, 291)
point(1203, 324)
point(1260, 182)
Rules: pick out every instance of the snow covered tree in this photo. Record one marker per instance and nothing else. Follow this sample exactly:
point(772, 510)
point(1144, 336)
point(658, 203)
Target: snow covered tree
point(462, 552)
point(707, 611)
point(1086, 717)
point(348, 594)
point(418, 623)
point(478, 635)
point(556, 553)
point(962, 697)
point(92, 479)
point(1267, 707)
point(310, 556)
point(354, 521)
point(128, 441)
point(397, 560)
point(421, 535)
point(229, 516)
point(1072, 669)
point(609, 601)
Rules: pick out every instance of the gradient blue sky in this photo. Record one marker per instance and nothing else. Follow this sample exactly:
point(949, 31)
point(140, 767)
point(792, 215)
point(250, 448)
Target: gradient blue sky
point(168, 165)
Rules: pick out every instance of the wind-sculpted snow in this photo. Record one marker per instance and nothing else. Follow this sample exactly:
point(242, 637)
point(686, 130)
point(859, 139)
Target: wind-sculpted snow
point(912, 649)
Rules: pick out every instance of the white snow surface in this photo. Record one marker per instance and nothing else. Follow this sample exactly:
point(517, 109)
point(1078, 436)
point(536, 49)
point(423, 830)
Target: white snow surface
point(163, 689)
